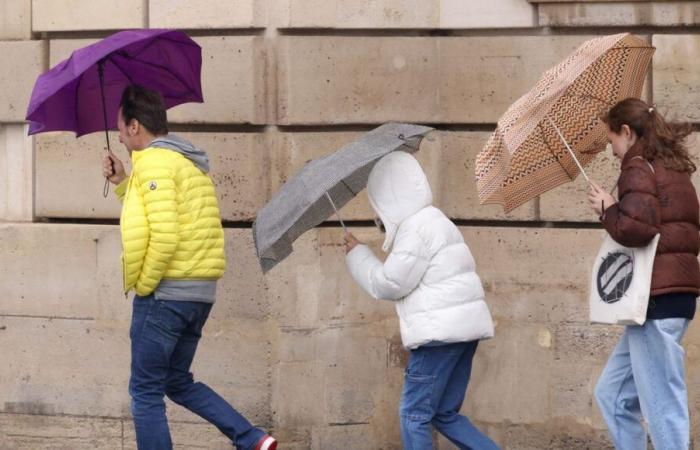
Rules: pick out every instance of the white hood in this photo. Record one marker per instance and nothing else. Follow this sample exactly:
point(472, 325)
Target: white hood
point(397, 189)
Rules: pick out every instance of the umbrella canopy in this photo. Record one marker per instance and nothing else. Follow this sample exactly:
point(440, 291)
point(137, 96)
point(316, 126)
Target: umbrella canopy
point(68, 97)
point(546, 137)
point(312, 195)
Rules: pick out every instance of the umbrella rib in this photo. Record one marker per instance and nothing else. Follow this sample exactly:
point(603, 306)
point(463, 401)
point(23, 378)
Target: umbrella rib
point(165, 69)
point(110, 59)
point(163, 38)
point(77, 93)
point(349, 189)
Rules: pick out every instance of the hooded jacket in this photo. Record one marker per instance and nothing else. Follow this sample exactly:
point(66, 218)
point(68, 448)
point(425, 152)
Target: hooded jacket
point(429, 272)
point(170, 221)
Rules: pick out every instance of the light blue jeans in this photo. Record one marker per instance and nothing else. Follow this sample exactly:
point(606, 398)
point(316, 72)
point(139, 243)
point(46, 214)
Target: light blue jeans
point(645, 377)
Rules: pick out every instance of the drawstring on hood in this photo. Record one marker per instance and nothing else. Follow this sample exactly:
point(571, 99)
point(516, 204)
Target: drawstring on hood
point(397, 189)
point(177, 144)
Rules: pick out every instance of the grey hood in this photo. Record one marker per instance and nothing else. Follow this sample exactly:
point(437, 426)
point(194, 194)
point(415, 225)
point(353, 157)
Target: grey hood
point(397, 189)
point(177, 144)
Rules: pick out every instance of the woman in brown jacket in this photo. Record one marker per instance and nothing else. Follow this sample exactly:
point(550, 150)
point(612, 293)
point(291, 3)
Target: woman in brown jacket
point(645, 375)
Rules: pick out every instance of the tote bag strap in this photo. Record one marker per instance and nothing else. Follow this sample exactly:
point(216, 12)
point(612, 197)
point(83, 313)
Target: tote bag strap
point(648, 164)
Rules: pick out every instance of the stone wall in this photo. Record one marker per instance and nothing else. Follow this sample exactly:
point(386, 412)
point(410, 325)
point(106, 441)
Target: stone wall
point(302, 351)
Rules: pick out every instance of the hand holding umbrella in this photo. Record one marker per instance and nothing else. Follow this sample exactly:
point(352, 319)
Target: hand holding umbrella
point(113, 168)
point(350, 242)
point(599, 199)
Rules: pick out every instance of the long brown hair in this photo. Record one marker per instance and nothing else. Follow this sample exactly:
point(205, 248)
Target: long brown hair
point(662, 140)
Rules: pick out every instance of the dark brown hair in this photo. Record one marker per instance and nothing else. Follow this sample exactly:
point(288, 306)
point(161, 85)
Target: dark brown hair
point(662, 140)
point(146, 106)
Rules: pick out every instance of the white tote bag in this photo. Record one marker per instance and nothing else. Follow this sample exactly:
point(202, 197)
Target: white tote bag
point(620, 283)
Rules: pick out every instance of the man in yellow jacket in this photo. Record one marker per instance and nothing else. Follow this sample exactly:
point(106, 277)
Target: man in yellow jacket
point(173, 255)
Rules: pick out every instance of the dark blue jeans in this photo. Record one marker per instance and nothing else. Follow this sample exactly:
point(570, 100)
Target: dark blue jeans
point(164, 337)
point(433, 391)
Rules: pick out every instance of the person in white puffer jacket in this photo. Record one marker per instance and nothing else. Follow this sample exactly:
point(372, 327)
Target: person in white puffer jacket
point(430, 274)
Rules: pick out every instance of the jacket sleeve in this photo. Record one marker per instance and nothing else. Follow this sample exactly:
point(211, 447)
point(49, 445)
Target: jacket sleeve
point(156, 185)
point(636, 218)
point(120, 190)
point(397, 276)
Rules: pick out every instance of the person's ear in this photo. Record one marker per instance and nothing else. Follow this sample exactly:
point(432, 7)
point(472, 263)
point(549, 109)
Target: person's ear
point(626, 131)
point(134, 127)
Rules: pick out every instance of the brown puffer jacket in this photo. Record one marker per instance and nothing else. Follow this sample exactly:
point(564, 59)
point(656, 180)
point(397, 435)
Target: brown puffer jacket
point(656, 201)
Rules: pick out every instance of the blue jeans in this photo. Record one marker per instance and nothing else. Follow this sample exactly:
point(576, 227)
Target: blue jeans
point(433, 391)
point(164, 337)
point(645, 376)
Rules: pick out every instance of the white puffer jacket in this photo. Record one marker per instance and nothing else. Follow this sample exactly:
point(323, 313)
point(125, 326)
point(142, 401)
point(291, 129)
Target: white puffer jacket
point(430, 270)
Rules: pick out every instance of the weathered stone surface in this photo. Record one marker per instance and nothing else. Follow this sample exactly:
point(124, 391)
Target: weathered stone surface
point(27, 58)
point(16, 174)
point(569, 202)
point(343, 79)
point(184, 14)
point(676, 78)
point(404, 14)
point(496, 14)
point(666, 13)
point(69, 181)
point(62, 254)
point(60, 49)
point(556, 435)
point(573, 383)
point(455, 182)
point(233, 82)
point(30, 432)
point(52, 374)
point(65, 259)
point(69, 174)
point(585, 342)
point(67, 15)
point(355, 436)
point(16, 19)
point(523, 274)
point(499, 371)
point(185, 436)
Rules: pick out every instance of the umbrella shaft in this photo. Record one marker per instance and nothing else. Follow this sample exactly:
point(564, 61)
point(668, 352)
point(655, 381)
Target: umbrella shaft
point(566, 144)
point(101, 73)
point(328, 196)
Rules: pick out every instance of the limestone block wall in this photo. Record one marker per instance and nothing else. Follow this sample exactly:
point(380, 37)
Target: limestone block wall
point(302, 351)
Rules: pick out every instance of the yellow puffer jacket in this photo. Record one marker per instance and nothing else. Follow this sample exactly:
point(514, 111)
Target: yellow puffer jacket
point(170, 222)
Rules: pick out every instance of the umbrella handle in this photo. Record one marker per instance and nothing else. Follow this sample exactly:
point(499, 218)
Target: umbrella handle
point(561, 136)
point(328, 196)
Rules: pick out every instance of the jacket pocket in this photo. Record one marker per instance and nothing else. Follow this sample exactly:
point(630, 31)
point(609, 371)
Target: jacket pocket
point(417, 399)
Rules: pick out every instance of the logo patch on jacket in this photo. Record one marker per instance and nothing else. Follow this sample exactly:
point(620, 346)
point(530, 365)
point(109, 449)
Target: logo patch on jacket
point(152, 185)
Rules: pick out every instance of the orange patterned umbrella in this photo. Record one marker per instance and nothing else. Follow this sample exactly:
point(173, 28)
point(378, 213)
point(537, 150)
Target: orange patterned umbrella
point(546, 137)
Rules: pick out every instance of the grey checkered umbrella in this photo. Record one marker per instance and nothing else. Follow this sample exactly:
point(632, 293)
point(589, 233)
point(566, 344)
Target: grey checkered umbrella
point(322, 186)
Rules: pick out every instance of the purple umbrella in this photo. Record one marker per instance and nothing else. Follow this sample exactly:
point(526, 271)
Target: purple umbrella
point(68, 97)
